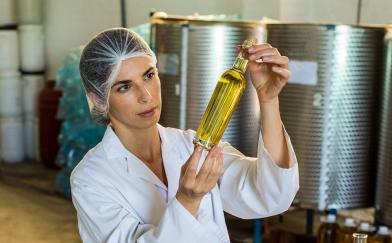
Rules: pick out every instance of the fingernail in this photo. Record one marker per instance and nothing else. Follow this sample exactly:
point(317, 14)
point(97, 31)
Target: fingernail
point(199, 149)
point(276, 69)
point(251, 49)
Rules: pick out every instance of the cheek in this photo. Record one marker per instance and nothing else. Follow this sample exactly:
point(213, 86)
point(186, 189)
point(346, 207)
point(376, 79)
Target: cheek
point(121, 103)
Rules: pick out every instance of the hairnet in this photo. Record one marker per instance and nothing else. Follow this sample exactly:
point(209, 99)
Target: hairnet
point(100, 64)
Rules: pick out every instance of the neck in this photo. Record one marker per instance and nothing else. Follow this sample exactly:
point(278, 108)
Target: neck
point(240, 64)
point(144, 143)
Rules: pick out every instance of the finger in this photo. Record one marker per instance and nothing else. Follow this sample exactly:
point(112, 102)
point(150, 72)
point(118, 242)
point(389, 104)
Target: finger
point(278, 60)
point(264, 53)
point(220, 165)
point(189, 176)
point(206, 167)
point(258, 47)
point(215, 171)
point(201, 177)
point(186, 164)
point(283, 72)
point(239, 48)
point(190, 166)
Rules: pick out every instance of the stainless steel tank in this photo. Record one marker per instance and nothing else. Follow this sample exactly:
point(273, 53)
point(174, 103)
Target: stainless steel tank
point(384, 173)
point(192, 53)
point(329, 108)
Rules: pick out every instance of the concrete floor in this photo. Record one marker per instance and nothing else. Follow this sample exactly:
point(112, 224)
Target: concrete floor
point(30, 210)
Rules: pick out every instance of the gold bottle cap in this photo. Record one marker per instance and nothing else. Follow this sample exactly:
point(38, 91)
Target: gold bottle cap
point(246, 45)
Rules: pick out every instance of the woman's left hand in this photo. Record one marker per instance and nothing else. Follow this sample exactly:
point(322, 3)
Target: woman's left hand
point(268, 70)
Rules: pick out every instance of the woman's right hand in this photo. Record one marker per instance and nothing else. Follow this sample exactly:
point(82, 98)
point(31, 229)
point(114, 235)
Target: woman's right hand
point(193, 186)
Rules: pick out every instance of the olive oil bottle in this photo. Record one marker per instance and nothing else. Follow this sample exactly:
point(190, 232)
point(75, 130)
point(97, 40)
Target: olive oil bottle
point(225, 98)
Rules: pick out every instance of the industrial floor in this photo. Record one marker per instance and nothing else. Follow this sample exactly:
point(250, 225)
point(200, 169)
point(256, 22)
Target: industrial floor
point(31, 211)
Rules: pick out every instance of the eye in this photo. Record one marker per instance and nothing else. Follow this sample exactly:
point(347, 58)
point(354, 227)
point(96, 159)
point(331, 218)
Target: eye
point(149, 76)
point(124, 88)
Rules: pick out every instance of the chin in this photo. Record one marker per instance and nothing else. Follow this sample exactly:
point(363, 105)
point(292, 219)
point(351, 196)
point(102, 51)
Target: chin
point(146, 123)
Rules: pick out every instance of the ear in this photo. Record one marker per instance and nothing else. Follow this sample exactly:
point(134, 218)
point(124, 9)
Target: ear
point(95, 101)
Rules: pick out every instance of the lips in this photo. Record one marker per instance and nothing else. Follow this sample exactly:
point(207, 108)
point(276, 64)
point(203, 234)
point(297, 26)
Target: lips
point(148, 113)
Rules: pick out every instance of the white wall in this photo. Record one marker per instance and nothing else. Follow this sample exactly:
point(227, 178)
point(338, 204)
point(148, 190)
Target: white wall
point(325, 11)
point(71, 23)
point(257, 9)
point(376, 11)
point(138, 11)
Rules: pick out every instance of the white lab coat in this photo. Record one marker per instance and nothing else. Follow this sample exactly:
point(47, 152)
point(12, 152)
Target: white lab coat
point(118, 199)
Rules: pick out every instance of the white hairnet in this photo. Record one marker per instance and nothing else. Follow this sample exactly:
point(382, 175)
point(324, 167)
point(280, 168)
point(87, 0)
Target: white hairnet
point(100, 64)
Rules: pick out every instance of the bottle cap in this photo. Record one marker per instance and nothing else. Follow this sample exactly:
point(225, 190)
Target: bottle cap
point(364, 226)
point(383, 230)
point(349, 222)
point(331, 218)
point(246, 45)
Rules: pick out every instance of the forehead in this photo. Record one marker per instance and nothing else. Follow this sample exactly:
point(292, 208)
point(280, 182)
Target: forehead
point(134, 67)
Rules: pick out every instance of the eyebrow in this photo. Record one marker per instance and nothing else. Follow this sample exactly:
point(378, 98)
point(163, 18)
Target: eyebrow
point(130, 81)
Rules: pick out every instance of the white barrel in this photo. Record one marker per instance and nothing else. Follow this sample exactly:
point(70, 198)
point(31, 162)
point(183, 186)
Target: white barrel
point(9, 55)
point(7, 12)
point(32, 85)
point(10, 94)
point(29, 12)
point(32, 52)
point(31, 137)
point(11, 132)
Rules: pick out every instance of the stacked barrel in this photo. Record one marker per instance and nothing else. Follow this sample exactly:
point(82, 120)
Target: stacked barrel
point(22, 66)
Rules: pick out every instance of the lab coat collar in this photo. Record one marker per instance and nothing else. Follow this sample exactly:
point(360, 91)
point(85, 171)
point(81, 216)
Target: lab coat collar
point(115, 150)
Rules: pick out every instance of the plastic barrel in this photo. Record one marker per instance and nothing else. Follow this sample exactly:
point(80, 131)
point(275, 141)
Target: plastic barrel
point(7, 13)
point(31, 137)
point(32, 52)
point(9, 54)
point(32, 86)
point(10, 94)
point(11, 133)
point(29, 12)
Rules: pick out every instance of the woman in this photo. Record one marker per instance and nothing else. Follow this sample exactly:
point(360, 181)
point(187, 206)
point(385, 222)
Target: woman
point(144, 183)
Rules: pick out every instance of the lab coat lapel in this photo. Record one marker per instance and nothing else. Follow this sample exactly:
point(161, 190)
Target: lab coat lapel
point(116, 150)
point(136, 167)
point(171, 161)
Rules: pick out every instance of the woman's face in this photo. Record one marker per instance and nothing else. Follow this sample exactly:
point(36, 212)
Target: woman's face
point(135, 96)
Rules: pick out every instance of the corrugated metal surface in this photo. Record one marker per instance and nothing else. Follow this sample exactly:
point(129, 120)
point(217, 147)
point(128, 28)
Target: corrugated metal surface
point(170, 33)
point(204, 50)
point(384, 173)
point(331, 117)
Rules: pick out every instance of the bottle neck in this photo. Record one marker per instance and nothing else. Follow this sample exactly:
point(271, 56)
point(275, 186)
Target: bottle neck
point(240, 63)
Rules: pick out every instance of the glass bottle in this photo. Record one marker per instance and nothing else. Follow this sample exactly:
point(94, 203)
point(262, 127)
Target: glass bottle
point(366, 228)
point(224, 100)
point(327, 230)
point(344, 234)
point(383, 236)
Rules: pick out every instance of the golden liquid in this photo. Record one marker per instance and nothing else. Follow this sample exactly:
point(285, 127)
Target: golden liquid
point(344, 234)
point(225, 98)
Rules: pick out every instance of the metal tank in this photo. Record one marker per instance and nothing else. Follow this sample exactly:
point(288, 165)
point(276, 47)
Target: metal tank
point(192, 53)
point(384, 173)
point(329, 108)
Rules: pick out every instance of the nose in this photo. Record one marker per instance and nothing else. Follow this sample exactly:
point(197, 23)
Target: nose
point(145, 96)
